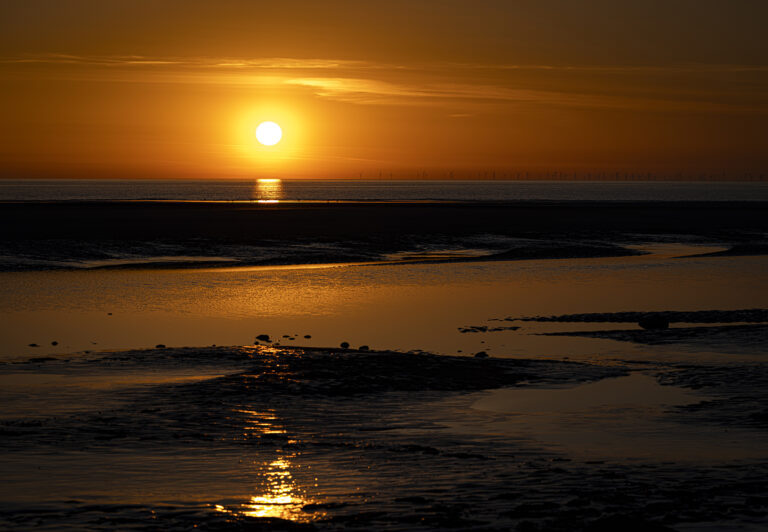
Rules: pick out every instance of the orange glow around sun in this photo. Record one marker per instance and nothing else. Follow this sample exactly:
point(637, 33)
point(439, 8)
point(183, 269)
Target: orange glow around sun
point(269, 140)
point(269, 133)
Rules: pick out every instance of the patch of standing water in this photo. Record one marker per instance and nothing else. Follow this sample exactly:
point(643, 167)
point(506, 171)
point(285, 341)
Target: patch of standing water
point(617, 418)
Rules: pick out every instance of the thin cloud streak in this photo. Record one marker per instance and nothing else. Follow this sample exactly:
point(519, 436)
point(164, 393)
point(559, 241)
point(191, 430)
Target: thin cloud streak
point(373, 92)
point(273, 63)
point(315, 63)
point(437, 84)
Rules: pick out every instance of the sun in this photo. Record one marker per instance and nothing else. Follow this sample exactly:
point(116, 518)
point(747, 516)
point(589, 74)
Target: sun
point(269, 133)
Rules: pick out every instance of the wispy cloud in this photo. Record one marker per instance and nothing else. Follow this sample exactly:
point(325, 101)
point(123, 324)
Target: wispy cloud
point(456, 86)
point(464, 95)
point(316, 63)
point(272, 63)
point(370, 91)
point(69, 59)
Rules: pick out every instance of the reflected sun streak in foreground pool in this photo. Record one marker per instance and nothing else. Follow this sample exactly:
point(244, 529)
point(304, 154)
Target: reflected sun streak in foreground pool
point(278, 493)
point(281, 498)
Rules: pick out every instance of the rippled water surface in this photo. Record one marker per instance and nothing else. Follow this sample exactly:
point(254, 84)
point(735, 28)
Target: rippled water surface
point(353, 190)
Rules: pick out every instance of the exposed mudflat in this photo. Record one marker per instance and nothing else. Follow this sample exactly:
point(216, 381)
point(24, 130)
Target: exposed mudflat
point(266, 438)
point(131, 234)
point(755, 315)
point(741, 338)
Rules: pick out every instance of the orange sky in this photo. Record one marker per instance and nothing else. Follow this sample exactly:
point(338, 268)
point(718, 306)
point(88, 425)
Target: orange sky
point(175, 88)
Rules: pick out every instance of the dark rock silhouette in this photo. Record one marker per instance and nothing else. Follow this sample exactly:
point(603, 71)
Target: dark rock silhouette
point(481, 354)
point(754, 315)
point(344, 345)
point(160, 346)
point(33, 345)
point(654, 322)
point(54, 343)
point(485, 328)
point(363, 348)
point(263, 337)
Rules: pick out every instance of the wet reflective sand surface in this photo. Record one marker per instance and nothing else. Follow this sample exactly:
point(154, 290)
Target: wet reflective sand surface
point(549, 432)
point(382, 306)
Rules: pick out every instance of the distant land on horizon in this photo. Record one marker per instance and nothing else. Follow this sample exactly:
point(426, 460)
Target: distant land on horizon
point(595, 176)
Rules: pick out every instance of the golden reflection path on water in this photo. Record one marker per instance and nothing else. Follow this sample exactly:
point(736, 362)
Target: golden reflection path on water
point(280, 496)
point(268, 190)
point(277, 493)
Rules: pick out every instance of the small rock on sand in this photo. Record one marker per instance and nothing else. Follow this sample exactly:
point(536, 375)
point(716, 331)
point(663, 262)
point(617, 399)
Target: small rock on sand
point(160, 346)
point(263, 337)
point(41, 359)
point(344, 345)
point(363, 348)
point(307, 336)
point(33, 345)
point(481, 354)
point(54, 343)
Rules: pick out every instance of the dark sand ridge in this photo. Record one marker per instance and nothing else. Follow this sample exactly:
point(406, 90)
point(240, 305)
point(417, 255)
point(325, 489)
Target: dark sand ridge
point(754, 315)
point(727, 338)
point(339, 232)
point(251, 223)
point(377, 428)
point(748, 334)
point(64, 254)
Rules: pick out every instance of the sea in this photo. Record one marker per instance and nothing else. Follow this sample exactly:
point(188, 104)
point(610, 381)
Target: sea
point(311, 190)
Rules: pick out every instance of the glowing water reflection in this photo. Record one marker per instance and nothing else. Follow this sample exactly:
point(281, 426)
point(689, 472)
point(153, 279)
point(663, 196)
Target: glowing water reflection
point(276, 492)
point(261, 423)
point(268, 190)
point(280, 496)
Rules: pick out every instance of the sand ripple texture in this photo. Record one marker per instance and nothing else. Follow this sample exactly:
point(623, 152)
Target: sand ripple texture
point(291, 439)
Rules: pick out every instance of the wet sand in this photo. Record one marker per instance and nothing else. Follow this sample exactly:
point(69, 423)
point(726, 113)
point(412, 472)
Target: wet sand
point(270, 437)
point(739, 338)
point(331, 439)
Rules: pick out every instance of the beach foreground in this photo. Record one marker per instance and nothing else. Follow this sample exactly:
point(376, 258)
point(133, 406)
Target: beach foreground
point(498, 377)
point(265, 438)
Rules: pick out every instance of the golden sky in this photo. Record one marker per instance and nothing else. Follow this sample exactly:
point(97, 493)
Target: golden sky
point(175, 88)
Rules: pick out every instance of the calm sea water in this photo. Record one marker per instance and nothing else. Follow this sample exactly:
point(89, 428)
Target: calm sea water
point(353, 190)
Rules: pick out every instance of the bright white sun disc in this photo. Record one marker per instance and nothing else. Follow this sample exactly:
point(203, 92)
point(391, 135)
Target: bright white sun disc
point(269, 133)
